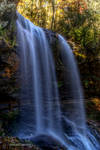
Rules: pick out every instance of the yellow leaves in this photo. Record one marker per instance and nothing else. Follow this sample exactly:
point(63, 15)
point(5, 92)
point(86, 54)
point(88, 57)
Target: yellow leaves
point(79, 54)
point(26, 7)
point(96, 102)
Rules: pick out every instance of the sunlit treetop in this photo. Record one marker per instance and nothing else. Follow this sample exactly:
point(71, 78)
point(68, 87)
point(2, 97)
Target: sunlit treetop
point(45, 13)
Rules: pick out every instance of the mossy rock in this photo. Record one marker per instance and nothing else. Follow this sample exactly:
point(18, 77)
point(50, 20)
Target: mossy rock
point(11, 143)
point(7, 22)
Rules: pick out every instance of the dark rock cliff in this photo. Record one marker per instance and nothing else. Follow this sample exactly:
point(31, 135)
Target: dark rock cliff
point(9, 60)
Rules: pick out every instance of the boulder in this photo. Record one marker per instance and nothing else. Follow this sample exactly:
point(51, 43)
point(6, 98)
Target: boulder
point(47, 142)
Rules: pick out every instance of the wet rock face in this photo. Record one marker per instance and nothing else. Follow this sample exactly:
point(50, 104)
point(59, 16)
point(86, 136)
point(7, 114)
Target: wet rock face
point(51, 36)
point(8, 68)
point(9, 60)
point(47, 142)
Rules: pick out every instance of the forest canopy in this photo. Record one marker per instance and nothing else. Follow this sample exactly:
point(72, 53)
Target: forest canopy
point(77, 20)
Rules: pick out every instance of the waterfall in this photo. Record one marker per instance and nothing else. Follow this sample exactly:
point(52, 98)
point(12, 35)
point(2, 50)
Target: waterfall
point(76, 93)
point(39, 93)
point(75, 115)
point(40, 112)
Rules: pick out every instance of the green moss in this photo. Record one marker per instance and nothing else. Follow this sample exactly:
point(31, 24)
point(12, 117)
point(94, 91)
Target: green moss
point(7, 22)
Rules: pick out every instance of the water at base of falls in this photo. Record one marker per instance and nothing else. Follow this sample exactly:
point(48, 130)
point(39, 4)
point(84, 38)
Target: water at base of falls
point(40, 112)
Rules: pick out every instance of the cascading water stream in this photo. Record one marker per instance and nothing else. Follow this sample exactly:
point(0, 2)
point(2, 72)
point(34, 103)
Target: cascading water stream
point(39, 85)
point(75, 115)
point(40, 112)
point(76, 98)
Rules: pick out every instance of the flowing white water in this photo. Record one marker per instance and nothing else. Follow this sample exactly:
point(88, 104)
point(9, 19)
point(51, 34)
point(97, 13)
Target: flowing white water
point(75, 110)
point(39, 91)
point(76, 94)
point(40, 111)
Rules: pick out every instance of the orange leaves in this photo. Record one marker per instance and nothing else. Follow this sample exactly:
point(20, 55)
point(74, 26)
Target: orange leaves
point(82, 7)
point(12, 67)
point(7, 73)
point(81, 10)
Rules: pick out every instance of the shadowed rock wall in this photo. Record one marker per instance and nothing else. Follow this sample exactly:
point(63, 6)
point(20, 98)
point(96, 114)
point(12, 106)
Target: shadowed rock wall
point(9, 60)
